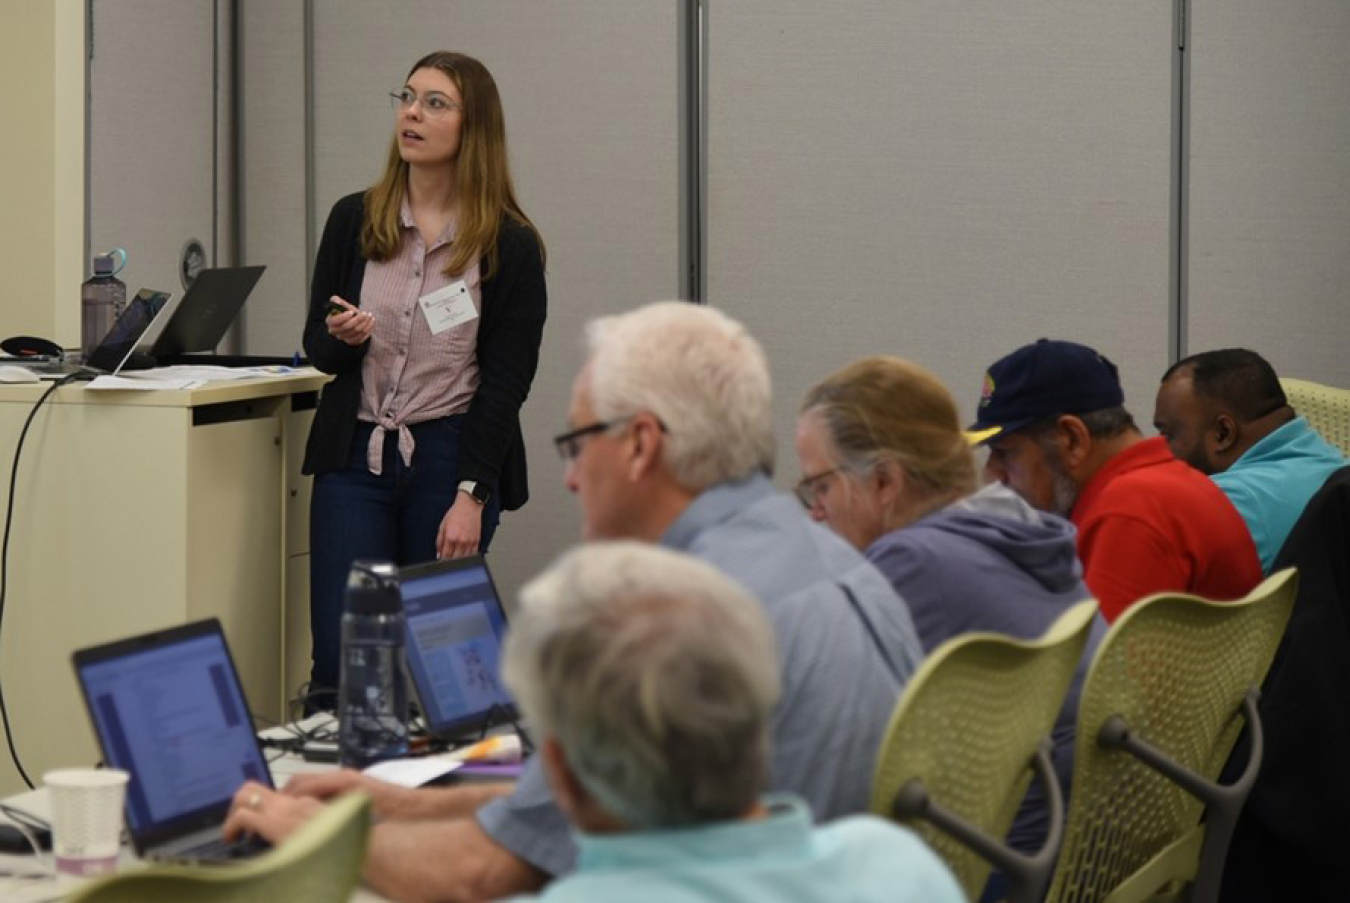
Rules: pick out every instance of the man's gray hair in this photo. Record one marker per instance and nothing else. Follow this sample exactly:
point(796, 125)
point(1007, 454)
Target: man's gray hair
point(656, 674)
point(701, 373)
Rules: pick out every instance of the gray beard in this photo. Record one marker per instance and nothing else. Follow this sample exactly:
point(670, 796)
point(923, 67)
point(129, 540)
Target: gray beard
point(1063, 490)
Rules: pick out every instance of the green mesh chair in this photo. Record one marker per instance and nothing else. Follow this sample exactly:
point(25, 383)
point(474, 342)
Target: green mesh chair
point(1168, 692)
point(1327, 409)
point(319, 863)
point(970, 728)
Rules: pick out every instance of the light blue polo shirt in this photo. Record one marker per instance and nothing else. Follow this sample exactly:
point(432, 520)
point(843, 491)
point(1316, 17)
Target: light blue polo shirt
point(1273, 481)
point(846, 648)
point(780, 857)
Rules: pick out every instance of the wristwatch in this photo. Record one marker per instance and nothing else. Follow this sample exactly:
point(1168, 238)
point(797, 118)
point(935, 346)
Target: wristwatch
point(476, 491)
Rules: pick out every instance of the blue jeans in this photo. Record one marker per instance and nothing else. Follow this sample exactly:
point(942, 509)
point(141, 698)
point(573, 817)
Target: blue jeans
point(394, 517)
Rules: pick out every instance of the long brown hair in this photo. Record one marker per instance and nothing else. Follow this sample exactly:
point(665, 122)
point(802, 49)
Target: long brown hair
point(484, 176)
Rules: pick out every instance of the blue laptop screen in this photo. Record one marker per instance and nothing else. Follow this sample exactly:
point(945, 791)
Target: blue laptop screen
point(455, 627)
point(174, 717)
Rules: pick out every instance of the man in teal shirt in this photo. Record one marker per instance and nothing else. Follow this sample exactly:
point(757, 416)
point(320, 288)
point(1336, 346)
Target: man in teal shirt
point(1225, 413)
point(650, 679)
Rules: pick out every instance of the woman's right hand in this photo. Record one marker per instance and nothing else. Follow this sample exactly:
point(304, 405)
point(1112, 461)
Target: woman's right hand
point(349, 324)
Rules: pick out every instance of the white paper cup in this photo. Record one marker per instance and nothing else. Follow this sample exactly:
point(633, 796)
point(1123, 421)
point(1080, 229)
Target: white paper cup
point(86, 806)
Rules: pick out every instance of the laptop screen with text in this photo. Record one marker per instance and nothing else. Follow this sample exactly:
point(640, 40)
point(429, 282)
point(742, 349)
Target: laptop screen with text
point(169, 710)
point(455, 629)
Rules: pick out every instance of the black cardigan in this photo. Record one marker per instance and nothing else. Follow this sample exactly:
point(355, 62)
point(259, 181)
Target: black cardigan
point(514, 304)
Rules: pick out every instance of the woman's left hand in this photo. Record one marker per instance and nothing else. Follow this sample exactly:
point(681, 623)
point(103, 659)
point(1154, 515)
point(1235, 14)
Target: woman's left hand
point(460, 528)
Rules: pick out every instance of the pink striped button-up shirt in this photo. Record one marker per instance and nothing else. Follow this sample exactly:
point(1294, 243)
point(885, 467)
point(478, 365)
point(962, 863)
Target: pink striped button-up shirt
point(409, 375)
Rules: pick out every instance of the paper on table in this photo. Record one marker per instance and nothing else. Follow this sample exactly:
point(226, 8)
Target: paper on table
point(183, 376)
point(141, 384)
point(209, 372)
point(412, 772)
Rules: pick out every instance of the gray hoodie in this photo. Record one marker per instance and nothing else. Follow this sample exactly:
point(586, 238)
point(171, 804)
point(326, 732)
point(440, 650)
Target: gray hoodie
point(992, 562)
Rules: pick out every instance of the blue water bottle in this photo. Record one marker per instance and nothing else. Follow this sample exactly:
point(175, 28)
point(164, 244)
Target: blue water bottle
point(373, 693)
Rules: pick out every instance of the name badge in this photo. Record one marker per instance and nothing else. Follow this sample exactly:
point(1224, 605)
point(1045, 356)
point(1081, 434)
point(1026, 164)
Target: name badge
point(448, 307)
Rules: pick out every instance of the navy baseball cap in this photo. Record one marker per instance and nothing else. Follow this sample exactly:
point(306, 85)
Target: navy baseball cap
point(1044, 379)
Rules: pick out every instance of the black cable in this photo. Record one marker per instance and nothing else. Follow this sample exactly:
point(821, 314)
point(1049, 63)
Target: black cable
point(497, 710)
point(304, 700)
point(282, 745)
point(306, 696)
point(4, 555)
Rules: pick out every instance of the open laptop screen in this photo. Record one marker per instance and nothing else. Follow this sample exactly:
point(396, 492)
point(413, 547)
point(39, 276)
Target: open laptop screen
point(455, 628)
point(127, 331)
point(168, 709)
point(199, 321)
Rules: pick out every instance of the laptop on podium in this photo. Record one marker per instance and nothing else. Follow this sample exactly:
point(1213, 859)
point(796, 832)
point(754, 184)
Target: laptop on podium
point(144, 314)
point(201, 317)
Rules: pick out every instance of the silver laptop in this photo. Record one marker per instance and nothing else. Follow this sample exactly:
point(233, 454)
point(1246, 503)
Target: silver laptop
point(127, 331)
point(144, 315)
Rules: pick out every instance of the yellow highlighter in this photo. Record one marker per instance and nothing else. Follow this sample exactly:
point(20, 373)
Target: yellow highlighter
point(492, 749)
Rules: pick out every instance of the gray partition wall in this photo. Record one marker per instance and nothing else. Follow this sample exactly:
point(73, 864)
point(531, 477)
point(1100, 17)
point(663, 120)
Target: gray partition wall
point(940, 181)
point(590, 93)
point(1270, 183)
point(153, 107)
point(272, 148)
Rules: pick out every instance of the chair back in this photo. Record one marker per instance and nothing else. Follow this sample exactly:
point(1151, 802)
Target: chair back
point(1166, 692)
point(319, 863)
point(1327, 409)
point(967, 727)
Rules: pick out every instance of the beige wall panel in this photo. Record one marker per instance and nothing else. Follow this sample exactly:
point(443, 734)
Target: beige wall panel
point(941, 181)
point(592, 121)
point(1270, 183)
point(42, 167)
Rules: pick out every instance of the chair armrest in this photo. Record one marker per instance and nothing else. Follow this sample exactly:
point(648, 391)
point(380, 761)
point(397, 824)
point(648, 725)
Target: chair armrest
point(1115, 734)
point(1223, 802)
point(1027, 875)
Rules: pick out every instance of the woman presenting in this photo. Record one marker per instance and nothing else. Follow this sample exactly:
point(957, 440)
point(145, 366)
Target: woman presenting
point(427, 306)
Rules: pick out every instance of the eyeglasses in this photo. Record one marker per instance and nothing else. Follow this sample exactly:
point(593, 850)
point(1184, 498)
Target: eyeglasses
point(570, 443)
point(434, 103)
point(809, 488)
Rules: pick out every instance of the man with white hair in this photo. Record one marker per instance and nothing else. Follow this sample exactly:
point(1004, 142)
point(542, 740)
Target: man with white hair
point(671, 442)
point(650, 680)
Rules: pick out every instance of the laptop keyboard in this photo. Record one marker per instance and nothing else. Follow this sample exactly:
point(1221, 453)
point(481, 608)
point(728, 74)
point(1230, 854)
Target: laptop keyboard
point(222, 850)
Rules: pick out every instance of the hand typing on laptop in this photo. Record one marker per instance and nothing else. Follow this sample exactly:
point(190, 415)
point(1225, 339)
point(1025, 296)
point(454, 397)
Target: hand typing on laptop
point(262, 812)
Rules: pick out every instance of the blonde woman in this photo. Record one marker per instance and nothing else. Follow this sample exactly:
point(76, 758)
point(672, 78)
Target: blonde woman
point(887, 466)
point(427, 306)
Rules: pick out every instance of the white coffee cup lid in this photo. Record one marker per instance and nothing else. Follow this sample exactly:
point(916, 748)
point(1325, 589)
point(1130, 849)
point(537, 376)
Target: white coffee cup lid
point(85, 777)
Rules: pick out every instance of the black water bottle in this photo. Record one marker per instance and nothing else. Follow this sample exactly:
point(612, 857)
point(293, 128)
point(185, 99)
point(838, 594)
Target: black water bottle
point(373, 693)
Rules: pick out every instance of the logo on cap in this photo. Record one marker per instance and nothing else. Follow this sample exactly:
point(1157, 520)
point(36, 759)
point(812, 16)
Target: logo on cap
point(987, 393)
